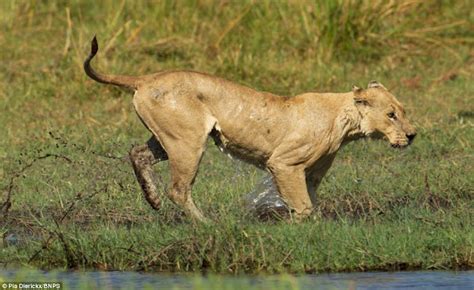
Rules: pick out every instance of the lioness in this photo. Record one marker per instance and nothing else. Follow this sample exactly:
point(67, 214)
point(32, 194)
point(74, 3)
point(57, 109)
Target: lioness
point(295, 139)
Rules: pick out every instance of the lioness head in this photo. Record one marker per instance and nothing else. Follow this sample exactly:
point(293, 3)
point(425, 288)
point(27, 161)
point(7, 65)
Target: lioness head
point(383, 115)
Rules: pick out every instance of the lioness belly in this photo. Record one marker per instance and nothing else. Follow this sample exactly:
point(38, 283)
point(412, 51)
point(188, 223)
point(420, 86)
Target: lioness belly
point(235, 149)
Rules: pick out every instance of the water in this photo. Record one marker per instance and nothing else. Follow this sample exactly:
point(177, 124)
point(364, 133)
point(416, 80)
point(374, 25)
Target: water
point(445, 280)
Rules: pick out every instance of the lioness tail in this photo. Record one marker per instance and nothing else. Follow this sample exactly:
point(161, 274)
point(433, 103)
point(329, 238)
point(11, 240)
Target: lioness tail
point(122, 81)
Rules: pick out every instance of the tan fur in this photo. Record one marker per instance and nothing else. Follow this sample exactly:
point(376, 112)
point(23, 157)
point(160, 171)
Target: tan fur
point(295, 139)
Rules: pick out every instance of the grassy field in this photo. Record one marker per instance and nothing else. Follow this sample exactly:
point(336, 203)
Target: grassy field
point(68, 196)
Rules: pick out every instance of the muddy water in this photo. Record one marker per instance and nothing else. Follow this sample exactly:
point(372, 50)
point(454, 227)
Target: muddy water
point(131, 280)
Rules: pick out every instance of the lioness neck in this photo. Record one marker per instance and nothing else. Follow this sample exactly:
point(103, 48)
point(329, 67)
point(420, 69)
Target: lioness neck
point(349, 119)
point(333, 115)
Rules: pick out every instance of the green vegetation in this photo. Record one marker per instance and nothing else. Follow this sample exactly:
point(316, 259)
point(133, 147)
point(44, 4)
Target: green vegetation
point(68, 196)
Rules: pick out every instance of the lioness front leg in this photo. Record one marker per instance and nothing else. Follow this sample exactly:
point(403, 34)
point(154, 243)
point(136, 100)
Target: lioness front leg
point(315, 176)
point(142, 158)
point(291, 184)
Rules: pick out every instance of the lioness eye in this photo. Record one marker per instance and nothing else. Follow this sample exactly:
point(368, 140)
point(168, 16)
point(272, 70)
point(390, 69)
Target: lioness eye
point(392, 115)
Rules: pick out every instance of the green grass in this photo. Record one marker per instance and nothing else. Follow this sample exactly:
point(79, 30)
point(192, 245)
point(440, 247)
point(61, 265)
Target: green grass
point(73, 205)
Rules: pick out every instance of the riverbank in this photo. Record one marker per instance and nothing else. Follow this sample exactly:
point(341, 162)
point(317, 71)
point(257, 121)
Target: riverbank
point(68, 196)
point(316, 246)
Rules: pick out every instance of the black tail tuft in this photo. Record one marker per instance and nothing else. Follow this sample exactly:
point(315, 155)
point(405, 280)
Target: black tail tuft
point(94, 46)
point(122, 81)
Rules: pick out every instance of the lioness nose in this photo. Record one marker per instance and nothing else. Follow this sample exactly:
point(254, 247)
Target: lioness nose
point(410, 137)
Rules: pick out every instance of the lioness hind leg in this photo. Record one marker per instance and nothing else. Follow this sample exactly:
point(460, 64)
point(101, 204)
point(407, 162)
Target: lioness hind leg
point(142, 158)
point(184, 162)
point(291, 185)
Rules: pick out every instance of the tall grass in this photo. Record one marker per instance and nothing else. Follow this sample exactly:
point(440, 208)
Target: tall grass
point(68, 196)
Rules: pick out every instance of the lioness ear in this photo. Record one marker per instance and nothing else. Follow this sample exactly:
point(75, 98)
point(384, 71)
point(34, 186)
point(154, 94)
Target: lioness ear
point(375, 84)
point(356, 89)
point(358, 98)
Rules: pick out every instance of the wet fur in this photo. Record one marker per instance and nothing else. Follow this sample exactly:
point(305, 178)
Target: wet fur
point(295, 139)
